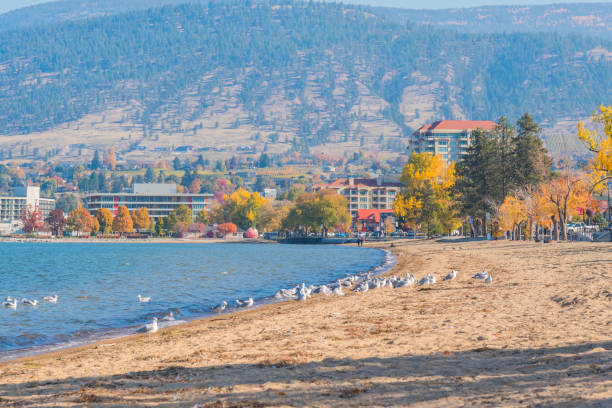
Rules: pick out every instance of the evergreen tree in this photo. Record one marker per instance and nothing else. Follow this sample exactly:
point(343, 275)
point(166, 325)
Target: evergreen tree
point(95, 162)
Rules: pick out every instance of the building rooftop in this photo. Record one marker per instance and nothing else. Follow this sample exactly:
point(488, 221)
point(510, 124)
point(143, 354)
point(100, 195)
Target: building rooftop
point(372, 214)
point(457, 125)
point(358, 182)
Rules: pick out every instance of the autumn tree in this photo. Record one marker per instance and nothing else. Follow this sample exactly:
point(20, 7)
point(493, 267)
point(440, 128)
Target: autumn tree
point(110, 160)
point(227, 228)
point(141, 218)
point(123, 221)
point(566, 193)
point(203, 217)
point(56, 221)
point(246, 209)
point(510, 215)
point(196, 228)
point(80, 220)
point(320, 211)
point(105, 220)
point(31, 218)
point(196, 186)
point(601, 145)
point(426, 198)
point(180, 229)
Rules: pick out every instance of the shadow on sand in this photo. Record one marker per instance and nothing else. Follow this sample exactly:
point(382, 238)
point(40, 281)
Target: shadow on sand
point(579, 375)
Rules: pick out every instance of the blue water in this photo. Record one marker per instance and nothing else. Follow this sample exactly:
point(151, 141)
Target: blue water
point(98, 283)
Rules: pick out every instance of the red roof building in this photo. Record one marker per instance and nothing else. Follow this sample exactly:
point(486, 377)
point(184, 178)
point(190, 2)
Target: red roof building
point(448, 138)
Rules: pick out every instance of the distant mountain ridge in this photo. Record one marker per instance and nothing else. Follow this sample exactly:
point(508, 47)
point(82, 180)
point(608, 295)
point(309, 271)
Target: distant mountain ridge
point(284, 74)
point(570, 18)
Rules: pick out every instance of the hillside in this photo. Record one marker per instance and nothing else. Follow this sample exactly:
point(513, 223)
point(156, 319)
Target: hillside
point(593, 19)
point(279, 76)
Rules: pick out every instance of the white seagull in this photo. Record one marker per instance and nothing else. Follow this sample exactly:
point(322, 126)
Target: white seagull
point(452, 275)
point(168, 318)
point(220, 307)
point(12, 304)
point(29, 302)
point(51, 299)
point(338, 291)
point(244, 303)
point(481, 275)
point(489, 279)
point(144, 299)
point(151, 327)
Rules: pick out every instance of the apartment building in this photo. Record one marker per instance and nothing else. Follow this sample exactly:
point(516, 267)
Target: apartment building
point(12, 207)
point(448, 138)
point(364, 193)
point(160, 200)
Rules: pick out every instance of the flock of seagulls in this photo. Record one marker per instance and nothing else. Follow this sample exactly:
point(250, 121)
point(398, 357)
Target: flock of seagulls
point(11, 303)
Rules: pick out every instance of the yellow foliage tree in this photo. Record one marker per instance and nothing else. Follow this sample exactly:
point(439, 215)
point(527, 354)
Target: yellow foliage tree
point(510, 215)
point(244, 209)
point(601, 165)
point(426, 198)
point(105, 220)
point(123, 221)
point(141, 219)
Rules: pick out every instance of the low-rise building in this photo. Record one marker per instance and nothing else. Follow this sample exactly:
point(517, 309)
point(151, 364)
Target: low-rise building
point(448, 138)
point(160, 200)
point(12, 207)
point(364, 193)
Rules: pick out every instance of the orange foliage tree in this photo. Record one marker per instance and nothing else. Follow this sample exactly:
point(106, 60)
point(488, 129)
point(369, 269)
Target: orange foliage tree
point(227, 228)
point(123, 221)
point(141, 218)
point(80, 220)
point(110, 160)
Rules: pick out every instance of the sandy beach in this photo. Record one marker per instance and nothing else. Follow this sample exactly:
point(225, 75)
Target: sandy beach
point(539, 335)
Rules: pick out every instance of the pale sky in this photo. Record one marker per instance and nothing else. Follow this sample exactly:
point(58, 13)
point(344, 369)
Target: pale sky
point(7, 5)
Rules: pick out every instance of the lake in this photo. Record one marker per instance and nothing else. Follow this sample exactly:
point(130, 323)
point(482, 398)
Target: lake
point(98, 283)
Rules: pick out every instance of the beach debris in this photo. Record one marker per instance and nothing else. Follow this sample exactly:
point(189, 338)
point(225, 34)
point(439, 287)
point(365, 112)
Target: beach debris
point(29, 302)
point(481, 275)
point(10, 304)
point(149, 327)
point(452, 275)
point(51, 299)
point(144, 299)
point(220, 307)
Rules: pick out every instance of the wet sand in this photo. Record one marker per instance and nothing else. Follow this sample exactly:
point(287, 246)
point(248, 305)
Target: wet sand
point(540, 334)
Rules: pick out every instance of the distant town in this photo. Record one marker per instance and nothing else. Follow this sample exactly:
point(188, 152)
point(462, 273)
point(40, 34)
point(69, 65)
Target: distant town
point(189, 196)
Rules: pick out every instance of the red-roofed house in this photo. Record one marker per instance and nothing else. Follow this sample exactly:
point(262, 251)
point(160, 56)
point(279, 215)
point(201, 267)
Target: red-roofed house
point(448, 138)
point(372, 220)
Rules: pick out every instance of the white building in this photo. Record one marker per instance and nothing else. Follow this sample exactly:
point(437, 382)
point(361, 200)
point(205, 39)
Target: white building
point(160, 200)
point(11, 208)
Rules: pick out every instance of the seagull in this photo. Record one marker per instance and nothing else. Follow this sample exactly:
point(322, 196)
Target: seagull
point(325, 290)
point(12, 304)
point(144, 299)
point(29, 302)
point(362, 287)
point(244, 303)
point(338, 291)
point(429, 279)
point(8, 299)
point(150, 327)
point(489, 279)
point(168, 318)
point(220, 307)
point(481, 275)
point(452, 275)
point(51, 299)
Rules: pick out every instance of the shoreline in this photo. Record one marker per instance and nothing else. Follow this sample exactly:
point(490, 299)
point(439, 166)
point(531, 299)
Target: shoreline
point(389, 261)
point(539, 335)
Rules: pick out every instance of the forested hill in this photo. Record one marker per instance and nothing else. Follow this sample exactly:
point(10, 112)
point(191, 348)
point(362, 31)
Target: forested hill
point(318, 72)
point(585, 18)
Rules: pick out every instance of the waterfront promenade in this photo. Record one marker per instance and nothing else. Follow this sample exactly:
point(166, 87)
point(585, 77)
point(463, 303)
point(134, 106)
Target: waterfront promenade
point(541, 334)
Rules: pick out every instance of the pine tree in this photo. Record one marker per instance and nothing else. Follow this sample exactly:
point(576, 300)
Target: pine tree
point(95, 162)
